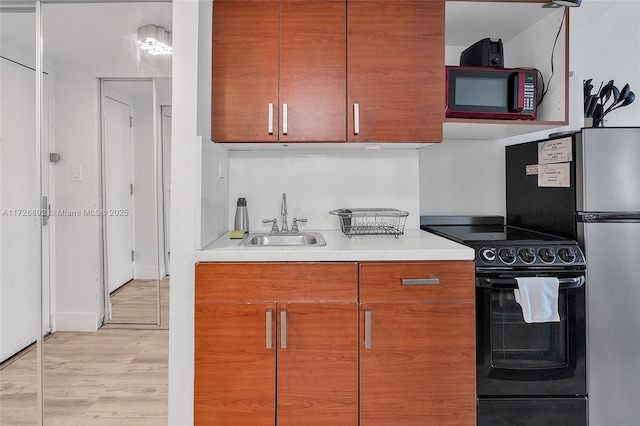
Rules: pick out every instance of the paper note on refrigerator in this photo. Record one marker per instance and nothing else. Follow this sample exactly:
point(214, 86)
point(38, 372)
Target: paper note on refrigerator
point(555, 151)
point(554, 175)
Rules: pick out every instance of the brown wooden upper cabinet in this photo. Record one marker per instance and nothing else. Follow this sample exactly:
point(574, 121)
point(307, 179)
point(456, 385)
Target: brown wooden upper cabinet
point(281, 69)
point(395, 70)
point(245, 70)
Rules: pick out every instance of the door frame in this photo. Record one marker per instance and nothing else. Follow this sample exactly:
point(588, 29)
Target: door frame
point(158, 198)
point(165, 110)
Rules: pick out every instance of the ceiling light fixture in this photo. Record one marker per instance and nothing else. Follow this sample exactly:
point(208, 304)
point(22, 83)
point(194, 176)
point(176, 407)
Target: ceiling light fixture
point(155, 40)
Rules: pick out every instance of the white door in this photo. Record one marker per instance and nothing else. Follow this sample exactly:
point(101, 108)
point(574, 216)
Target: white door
point(118, 193)
point(166, 180)
point(20, 233)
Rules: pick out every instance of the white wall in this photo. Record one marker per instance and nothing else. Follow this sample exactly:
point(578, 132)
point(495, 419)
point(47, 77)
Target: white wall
point(184, 233)
point(462, 177)
point(79, 285)
point(317, 182)
point(466, 177)
point(604, 45)
point(214, 192)
point(213, 163)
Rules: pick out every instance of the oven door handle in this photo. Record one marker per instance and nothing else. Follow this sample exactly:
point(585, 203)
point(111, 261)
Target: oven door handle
point(511, 283)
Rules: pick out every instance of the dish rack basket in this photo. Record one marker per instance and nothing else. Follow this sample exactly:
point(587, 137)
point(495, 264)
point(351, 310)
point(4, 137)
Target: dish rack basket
point(371, 221)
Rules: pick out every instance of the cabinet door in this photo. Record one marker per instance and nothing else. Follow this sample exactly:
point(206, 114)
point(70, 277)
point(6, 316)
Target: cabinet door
point(235, 364)
point(245, 71)
point(417, 364)
point(313, 70)
point(318, 365)
point(395, 70)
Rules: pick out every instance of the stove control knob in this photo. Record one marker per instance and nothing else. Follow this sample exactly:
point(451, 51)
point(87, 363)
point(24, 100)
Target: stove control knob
point(567, 254)
point(546, 254)
point(527, 255)
point(507, 255)
point(488, 254)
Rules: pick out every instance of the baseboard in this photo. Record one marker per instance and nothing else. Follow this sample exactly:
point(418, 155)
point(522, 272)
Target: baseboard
point(76, 321)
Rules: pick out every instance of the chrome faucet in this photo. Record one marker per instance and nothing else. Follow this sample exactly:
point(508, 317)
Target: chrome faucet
point(283, 211)
point(285, 228)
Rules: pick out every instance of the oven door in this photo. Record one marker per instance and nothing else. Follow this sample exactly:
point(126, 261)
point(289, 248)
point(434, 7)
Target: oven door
point(515, 358)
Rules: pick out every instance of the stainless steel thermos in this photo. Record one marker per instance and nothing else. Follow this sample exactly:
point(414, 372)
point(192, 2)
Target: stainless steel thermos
point(242, 217)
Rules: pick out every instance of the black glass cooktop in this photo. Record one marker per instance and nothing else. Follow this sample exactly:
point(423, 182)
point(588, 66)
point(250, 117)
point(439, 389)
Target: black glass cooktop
point(494, 233)
point(482, 229)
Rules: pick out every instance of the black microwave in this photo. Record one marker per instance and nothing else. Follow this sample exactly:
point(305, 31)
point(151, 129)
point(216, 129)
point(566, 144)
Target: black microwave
point(491, 93)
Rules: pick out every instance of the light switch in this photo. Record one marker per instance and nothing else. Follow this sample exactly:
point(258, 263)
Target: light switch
point(76, 173)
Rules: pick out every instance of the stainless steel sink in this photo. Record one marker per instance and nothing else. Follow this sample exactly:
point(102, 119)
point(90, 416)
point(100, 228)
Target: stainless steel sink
point(265, 239)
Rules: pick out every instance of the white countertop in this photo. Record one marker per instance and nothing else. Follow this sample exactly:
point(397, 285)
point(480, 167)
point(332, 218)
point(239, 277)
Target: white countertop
point(413, 245)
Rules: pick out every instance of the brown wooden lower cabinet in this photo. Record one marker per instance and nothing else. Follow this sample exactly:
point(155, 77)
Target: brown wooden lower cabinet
point(419, 368)
point(417, 356)
point(314, 356)
point(235, 370)
point(276, 343)
point(296, 360)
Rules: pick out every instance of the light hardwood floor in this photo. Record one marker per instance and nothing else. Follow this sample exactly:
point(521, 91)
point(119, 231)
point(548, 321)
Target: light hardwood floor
point(116, 376)
point(137, 301)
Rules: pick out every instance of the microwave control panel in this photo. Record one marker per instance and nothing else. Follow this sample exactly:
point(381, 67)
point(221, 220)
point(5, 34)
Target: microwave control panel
point(529, 95)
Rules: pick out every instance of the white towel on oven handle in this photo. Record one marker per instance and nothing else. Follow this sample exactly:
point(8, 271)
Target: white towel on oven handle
point(538, 297)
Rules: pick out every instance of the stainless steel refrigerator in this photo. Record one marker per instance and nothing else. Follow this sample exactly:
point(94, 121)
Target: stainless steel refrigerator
point(586, 186)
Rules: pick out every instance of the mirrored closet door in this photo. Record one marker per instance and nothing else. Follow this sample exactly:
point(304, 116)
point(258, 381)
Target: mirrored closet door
point(24, 228)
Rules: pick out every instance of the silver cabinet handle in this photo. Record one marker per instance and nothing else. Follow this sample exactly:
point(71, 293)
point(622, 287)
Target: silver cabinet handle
point(367, 329)
point(420, 281)
point(285, 125)
point(269, 327)
point(356, 119)
point(283, 329)
point(270, 125)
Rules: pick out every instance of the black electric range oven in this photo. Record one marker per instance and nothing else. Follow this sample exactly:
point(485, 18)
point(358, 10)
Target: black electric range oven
point(526, 373)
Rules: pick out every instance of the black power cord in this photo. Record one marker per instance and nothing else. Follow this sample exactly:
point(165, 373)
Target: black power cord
point(544, 91)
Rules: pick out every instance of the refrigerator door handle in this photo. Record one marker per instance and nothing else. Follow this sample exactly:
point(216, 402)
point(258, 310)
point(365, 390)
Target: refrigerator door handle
point(608, 217)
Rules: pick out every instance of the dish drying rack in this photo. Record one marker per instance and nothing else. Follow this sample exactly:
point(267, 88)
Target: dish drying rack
point(371, 221)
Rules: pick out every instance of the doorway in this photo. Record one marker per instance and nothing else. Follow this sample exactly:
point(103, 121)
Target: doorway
point(135, 120)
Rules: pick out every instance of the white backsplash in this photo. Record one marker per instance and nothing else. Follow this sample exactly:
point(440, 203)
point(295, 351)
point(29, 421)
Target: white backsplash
point(317, 182)
point(462, 177)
